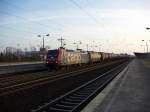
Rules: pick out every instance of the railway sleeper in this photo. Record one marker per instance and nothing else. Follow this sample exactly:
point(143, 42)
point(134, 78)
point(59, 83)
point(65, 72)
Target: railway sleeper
point(62, 106)
point(81, 94)
point(86, 92)
point(53, 109)
point(77, 95)
point(76, 98)
point(91, 87)
point(89, 90)
point(68, 103)
point(73, 101)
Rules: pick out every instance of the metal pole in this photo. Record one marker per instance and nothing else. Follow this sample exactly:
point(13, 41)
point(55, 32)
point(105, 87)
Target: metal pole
point(93, 45)
point(43, 43)
point(146, 46)
point(77, 46)
point(147, 28)
point(99, 48)
point(143, 46)
point(61, 41)
point(87, 46)
point(43, 46)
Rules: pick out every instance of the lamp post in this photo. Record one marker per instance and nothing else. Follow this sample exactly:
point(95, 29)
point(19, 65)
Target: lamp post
point(75, 43)
point(100, 48)
point(43, 39)
point(147, 28)
point(146, 45)
point(143, 47)
point(93, 44)
point(87, 47)
point(80, 44)
point(96, 47)
point(43, 45)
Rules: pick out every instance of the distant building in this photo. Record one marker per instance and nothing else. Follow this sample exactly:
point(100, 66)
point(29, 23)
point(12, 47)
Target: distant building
point(11, 50)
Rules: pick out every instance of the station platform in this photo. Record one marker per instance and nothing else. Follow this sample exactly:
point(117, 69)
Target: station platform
point(19, 63)
point(128, 92)
point(8, 68)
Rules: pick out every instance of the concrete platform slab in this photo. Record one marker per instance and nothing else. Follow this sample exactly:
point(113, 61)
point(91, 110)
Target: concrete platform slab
point(128, 92)
point(20, 67)
point(18, 63)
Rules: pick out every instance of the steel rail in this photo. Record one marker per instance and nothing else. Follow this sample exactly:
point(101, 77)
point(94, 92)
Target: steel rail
point(14, 74)
point(25, 77)
point(50, 79)
point(76, 99)
point(5, 78)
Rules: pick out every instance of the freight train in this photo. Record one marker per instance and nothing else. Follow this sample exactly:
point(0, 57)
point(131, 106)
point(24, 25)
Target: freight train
point(61, 57)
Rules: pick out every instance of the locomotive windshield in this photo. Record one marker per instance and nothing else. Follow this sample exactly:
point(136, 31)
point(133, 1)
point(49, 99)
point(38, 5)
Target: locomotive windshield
point(52, 54)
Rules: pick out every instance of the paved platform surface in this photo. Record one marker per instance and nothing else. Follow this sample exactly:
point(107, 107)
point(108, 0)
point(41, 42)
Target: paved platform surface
point(6, 68)
point(19, 63)
point(128, 92)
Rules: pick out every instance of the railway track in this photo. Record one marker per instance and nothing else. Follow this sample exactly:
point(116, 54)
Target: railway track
point(22, 73)
point(33, 74)
point(7, 89)
point(76, 99)
point(14, 79)
point(30, 98)
point(15, 74)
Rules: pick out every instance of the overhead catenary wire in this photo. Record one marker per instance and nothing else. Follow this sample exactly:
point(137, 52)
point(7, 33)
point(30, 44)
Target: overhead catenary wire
point(13, 29)
point(19, 30)
point(24, 19)
point(29, 20)
point(10, 42)
point(93, 18)
point(61, 27)
point(102, 19)
point(12, 4)
point(86, 12)
point(91, 6)
point(107, 29)
point(6, 35)
point(24, 9)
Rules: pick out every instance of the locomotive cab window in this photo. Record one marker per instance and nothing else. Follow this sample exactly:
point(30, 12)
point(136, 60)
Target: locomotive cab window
point(52, 54)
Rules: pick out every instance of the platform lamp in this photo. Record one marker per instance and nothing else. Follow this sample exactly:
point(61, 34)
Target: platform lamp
point(43, 38)
point(147, 28)
point(146, 45)
point(43, 41)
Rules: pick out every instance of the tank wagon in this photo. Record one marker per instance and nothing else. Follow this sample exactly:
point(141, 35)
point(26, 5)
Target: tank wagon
point(94, 57)
point(62, 57)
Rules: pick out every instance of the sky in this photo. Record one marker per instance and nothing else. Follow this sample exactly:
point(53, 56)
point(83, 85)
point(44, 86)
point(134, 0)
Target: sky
point(117, 26)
